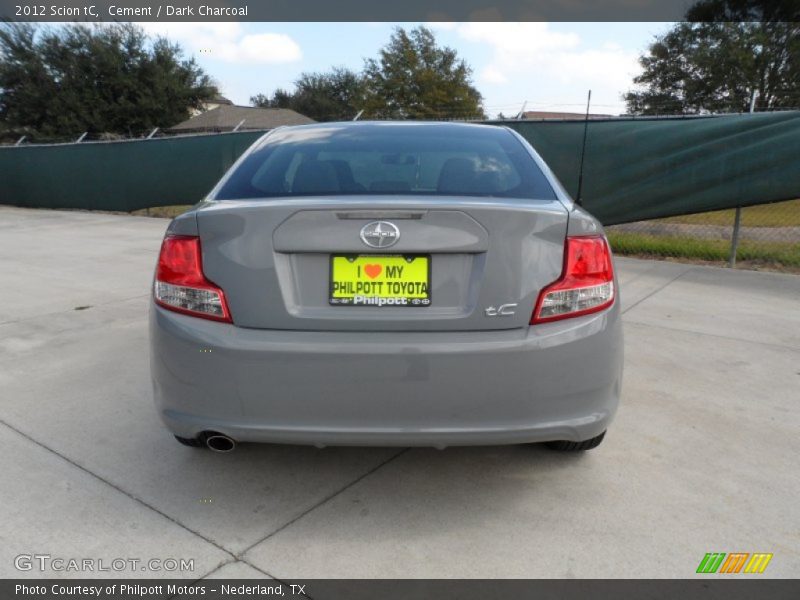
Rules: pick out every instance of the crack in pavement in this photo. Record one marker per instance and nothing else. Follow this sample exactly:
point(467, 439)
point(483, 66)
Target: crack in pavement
point(715, 335)
point(234, 556)
point(116, 487)
point(657, 290)
point(323, 501)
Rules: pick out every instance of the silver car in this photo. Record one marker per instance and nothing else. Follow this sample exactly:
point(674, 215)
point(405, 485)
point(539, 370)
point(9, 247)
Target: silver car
point(391, 283)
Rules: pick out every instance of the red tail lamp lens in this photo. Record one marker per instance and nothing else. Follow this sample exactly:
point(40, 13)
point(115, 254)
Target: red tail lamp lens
point(586, 284)
point(181, 285)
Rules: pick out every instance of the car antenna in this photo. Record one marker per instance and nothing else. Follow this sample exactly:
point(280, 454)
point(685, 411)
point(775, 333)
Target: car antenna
point(579, 197)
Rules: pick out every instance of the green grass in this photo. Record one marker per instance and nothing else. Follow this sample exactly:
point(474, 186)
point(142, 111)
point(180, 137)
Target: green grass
point(780, 214)
point(163, 212)
point(769, 254)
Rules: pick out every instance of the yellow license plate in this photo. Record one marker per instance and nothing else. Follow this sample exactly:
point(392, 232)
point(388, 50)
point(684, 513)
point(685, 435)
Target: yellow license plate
point(380, 280)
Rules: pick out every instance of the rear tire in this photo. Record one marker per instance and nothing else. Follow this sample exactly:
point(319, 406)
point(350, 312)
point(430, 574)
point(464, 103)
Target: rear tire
point(565, 446)
point(191, 442)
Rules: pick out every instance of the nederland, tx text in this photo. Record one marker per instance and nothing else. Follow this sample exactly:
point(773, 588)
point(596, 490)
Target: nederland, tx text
point(147, 591)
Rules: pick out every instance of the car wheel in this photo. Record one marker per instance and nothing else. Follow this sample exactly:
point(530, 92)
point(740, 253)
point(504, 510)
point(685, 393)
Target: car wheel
point(191, 442)
point(565, 446)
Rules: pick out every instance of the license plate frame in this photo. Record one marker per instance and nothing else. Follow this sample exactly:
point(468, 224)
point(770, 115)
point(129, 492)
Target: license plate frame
point(383, 300)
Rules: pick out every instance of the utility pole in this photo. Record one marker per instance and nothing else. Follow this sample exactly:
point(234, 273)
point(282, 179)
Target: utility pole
point(579, 195)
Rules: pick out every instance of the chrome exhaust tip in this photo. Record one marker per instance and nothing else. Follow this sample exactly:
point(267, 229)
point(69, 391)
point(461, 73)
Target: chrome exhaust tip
point(217, 442)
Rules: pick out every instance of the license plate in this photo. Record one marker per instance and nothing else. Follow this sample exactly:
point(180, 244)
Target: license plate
point(380, 280)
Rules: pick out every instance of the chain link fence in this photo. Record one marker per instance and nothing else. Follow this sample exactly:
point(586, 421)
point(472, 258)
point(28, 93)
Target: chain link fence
point(768, 236)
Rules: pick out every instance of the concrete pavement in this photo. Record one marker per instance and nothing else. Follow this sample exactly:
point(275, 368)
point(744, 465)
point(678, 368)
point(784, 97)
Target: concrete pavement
point(702, 456)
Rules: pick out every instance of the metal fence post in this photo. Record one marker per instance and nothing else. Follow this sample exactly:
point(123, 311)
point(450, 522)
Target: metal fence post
point(737, 220)
point(735, 237)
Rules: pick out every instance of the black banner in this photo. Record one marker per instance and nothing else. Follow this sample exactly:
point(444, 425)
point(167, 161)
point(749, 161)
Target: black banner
point(366, 10)
point(706, 588)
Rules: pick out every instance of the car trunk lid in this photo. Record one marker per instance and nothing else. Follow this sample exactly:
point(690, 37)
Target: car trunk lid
point(488, 259)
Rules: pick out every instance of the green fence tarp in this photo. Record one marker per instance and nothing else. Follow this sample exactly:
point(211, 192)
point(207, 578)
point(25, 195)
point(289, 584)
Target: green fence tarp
point(634, 169)
point(119, 176)
point(640, 169)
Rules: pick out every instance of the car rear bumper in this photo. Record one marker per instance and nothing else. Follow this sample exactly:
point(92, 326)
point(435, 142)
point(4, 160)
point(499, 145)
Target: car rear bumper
point(556, 381)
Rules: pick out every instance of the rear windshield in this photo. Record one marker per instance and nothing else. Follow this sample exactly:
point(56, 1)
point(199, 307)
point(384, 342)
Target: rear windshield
point(385, 159)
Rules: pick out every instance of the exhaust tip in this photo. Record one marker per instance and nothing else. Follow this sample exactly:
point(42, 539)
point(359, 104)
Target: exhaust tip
point(218, 442)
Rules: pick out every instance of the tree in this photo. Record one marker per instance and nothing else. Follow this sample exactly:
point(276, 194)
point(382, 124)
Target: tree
point(111, 78)
point(331, 96)
point(280, 99)
point(709, 65)
point(744, 10)
point(414, 78)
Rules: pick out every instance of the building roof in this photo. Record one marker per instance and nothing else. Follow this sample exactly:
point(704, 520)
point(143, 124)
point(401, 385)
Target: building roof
point(225, 118)
point(219, 99)
point(543, 114)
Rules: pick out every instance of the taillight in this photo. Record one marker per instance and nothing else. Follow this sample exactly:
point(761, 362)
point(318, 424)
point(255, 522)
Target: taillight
point(180, 284)
point(586, 284)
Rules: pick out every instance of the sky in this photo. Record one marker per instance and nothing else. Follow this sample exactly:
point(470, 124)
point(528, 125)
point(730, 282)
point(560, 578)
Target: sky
point(546, 66)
